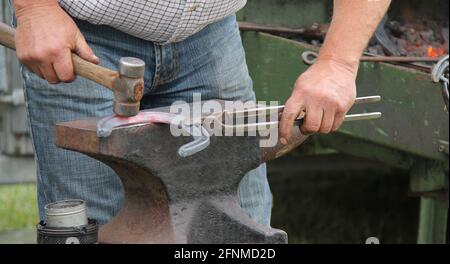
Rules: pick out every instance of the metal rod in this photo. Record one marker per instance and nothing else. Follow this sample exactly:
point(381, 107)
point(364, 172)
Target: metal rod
point(368, 99)
point(397, 59)
point(350, 118)
point(310, 57)
point(365, 116)
point(247, 26)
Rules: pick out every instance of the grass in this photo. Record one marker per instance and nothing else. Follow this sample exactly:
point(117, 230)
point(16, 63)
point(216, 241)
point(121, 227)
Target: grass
point(18, 207)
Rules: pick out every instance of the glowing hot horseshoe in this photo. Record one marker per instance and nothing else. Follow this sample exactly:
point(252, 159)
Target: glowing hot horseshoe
point(201, 137)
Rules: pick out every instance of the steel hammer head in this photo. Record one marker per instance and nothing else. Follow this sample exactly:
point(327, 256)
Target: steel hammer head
point(129, 87)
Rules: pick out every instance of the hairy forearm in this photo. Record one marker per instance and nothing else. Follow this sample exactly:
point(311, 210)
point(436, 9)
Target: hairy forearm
point(352, 26)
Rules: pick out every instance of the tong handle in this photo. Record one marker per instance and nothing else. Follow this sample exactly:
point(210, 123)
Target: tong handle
point(368, 99)
point(356, 117)
point(349, 118)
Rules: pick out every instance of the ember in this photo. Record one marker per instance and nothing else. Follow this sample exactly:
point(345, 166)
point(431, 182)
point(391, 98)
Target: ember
point(435, 52)
point(418, 39)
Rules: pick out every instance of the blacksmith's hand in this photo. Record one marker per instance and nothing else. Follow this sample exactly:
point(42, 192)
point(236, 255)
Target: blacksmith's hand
point(45, 37)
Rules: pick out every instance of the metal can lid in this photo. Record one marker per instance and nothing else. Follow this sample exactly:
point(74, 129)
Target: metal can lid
point(65, 207)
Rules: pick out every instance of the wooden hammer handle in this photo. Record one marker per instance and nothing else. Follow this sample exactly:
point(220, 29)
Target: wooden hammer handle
point(94, 72)
point(86, 69)
point(7, 36)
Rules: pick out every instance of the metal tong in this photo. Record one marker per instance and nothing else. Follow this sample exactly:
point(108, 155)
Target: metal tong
point(238, 120)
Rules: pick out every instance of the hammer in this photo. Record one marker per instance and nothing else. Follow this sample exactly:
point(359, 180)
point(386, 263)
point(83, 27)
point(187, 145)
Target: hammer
point(127, 84)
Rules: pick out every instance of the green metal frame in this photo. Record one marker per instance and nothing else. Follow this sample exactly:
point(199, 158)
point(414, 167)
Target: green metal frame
point(409, 134)
point(433, 220)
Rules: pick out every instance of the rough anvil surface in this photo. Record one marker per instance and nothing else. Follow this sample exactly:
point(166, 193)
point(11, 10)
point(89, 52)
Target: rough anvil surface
point(169, 199)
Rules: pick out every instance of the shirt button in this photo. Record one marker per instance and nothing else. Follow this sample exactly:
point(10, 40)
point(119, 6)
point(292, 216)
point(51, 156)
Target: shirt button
point(193, 8)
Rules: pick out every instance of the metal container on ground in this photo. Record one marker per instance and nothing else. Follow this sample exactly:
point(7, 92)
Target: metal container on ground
point(68, 213)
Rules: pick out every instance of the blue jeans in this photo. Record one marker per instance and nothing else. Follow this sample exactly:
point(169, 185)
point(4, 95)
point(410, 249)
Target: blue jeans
point(212, 63)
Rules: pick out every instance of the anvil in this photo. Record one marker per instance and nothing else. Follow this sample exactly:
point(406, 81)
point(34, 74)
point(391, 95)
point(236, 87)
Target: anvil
point(174, 199)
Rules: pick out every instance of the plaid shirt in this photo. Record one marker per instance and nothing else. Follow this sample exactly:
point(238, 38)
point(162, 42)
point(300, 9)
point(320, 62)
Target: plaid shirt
point(159, 21)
